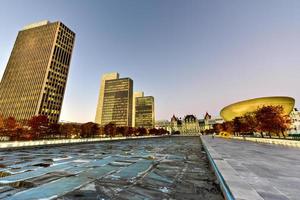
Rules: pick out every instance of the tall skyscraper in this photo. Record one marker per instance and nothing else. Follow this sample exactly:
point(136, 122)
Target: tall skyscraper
point(135, 95)
point(36, 74)
point(105, 77)
point(116, 104)
point(144, 112)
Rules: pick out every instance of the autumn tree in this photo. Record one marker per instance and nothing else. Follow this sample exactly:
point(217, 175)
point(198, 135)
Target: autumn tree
point(110, 129)
point(271, 119)
point(285, 124)
point(237, 125)
point(120, 130)
point(10, 123)
point(95, 129)
point(125, 131)
point(228, 127)
point(39, 125)
point(163, 131)
point(68, 130)
point(54, 130)
point(89, 129)
point(2, 124)
point(217, 128)
point(153, 131)
point(131, 131)
point(141, 131)
point(18, 133)
point(250, 122)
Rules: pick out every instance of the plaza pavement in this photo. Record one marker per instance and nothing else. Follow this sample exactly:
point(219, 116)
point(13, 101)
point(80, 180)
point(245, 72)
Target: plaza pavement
point(152, 168)
point(272, 171)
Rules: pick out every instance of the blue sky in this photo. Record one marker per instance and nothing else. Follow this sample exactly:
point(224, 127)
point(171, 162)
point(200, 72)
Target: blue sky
point(193, 56)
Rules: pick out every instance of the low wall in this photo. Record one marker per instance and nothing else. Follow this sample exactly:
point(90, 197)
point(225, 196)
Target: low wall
point(19, 144)
point(291, 143)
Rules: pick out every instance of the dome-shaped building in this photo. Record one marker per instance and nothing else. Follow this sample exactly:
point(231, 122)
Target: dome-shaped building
point(238, 109)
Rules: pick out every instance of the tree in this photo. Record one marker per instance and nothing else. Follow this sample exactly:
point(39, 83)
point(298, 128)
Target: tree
point(271, 119)
point(285, 124)
point(153, 131)
point(36, 122)
point(251, 122)
point(217, 128)
point(163, 131)
point(2, 125)
point(39, 125)
point(110, 129)
point(18, 134)
point(237, 125)
point(228, 127)
point(126, 131)
point(54, 129)
point(24, 134)
point(141, 131)
point(95, 129)
point(10, 123)
point(68, 130)
point(89, 129)
point(121, 130)
point(131, 131)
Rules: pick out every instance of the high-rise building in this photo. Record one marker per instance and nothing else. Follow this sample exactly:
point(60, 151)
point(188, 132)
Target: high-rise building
point(105, 77)
point(135, 95)
point(144, 112)
point(116, 104)
point(36, 74)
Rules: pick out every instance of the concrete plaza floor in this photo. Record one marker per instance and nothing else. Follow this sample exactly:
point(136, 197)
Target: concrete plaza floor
point(156, 168)
point(272, 171)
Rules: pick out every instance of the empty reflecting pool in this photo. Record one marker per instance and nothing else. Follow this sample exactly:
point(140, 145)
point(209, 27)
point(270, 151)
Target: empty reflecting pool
point(157, 168)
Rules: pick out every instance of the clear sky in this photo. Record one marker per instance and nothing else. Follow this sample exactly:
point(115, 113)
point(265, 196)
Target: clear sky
point(193, 56)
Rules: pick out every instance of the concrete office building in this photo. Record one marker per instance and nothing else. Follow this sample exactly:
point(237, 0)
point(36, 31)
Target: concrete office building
point(105, 77)
point(36, 74)
point(115, 101)
point(144, 112)
point(135, 95)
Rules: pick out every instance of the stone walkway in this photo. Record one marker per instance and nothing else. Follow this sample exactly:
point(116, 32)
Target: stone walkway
point(272, 171)
point(157, 168)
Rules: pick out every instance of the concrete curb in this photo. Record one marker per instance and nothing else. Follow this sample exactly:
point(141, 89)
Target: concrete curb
point(21, 144)
point(232, 186)
point(290, 143)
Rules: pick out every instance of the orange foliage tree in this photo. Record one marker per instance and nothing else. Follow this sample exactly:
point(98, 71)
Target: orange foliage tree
point(39, 125)
point(272, 120)
point(10, 123)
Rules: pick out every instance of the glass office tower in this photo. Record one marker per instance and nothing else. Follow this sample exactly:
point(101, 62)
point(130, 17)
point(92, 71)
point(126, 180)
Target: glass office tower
point(144, 112)
point(117, 102)
point(36, 74)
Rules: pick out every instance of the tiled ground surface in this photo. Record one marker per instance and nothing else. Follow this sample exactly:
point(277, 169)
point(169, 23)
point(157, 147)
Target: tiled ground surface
point(158, 168)
point(272, 170)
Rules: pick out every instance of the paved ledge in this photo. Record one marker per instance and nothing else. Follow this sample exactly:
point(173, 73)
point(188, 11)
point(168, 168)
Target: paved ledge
point(273, 171)
point(20, 144)
point(290, 143)
point(233, 187)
